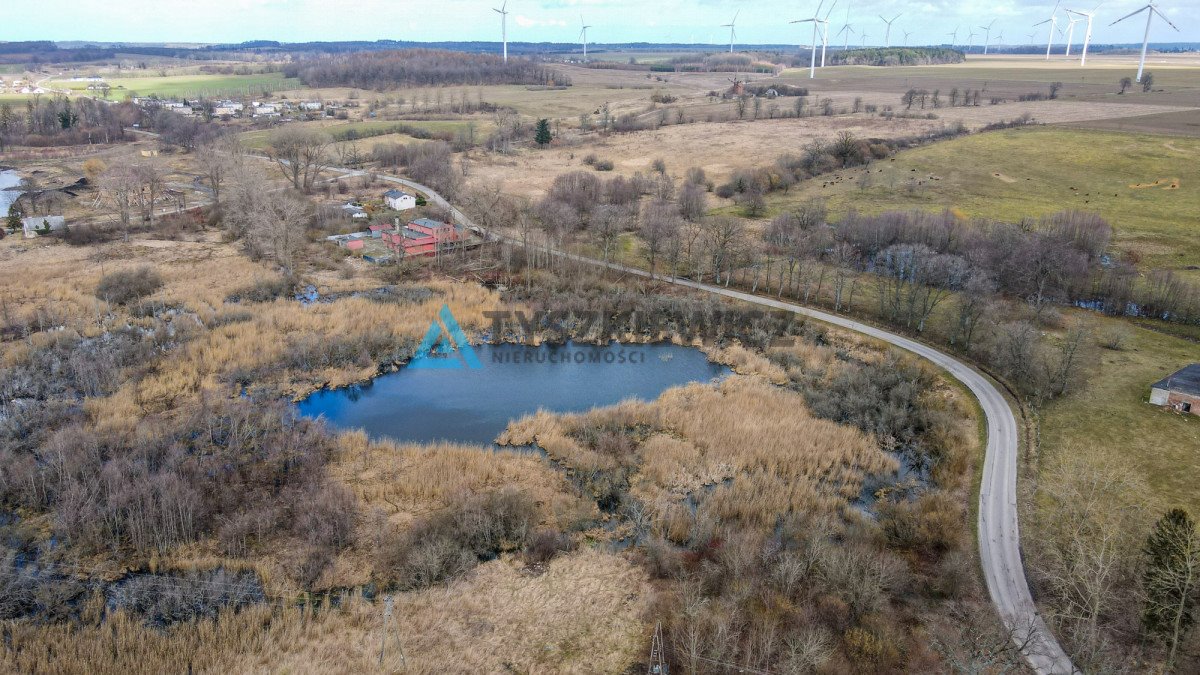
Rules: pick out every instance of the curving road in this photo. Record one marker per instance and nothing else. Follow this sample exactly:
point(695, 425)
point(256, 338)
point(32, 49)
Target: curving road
point(999, 532)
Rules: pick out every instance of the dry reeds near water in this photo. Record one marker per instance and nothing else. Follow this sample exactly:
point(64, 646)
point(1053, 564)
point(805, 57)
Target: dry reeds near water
point(583, 614)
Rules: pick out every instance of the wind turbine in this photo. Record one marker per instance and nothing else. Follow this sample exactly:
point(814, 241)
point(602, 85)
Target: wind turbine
point(732, 30)
point(1053, 21)
point(953, 36)
point(503, 12)
point(816, 21)
point(1000, 39)
point(1071, 21)
point(987, 35)
point(825, 32)
point(847, 30)
point(970, 40)
point(906, 34)
point(1150, 11)
point(864, 37)
point(1087, 35)
point(583, 36)
point(887, 36)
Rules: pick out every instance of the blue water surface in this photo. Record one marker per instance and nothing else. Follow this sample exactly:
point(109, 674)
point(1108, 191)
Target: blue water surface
point(473, 405)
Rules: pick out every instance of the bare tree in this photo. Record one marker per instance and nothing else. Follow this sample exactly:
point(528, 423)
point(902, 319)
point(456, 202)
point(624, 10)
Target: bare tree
point(660, 223)
point(1087, 545)
point(273, 221)
point(119, 186)
point(216, 159)
point(301, 155)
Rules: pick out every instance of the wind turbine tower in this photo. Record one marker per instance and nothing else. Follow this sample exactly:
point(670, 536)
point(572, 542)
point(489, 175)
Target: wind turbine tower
point(906, 34)
point(816, 21)
point(825, 32)
point(503, 12)
point(583, 36)
point(1053, 21)
point(887, 35)
point(732, 29)
point(846, 30)
point(987, 35)
point(1087, 34)
point(953, 36)
point(1150, 10)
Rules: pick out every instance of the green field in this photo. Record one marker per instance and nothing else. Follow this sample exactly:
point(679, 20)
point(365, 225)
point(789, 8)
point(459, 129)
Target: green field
point(189, 85)
point(1041, 170)
point(1112, 415)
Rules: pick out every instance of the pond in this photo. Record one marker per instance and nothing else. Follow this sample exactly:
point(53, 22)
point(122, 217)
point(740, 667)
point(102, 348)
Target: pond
point(473, 405)
point(8, 180)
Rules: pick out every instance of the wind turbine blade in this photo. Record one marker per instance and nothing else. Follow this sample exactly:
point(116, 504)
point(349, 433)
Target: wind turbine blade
point(1164, 17)
point(1136, 11)
point(830, 9)
point(802, 21)
point(735, 16)
point(1042, 22)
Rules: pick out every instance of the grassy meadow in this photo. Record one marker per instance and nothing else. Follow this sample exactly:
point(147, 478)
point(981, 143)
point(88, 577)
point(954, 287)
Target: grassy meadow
point(1112, 416)
point(1032, 172)
point(187, 85)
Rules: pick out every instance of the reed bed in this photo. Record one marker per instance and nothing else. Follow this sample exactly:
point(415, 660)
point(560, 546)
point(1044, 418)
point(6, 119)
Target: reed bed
point(498, 618)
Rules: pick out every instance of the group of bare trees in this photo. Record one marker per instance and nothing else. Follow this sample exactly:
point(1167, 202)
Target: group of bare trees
point(57, 120)
point(419, 68)
point(1122, 588)
point(132, 190)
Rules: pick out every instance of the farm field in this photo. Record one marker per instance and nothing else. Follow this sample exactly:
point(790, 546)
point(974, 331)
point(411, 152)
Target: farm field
point(187, 85)
point(1011, 175)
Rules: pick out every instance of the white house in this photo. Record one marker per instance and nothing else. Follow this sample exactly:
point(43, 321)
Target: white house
point(33, 224)
point(400, 201)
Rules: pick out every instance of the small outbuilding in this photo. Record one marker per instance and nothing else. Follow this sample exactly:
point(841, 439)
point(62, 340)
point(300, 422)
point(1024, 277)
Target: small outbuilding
point(35, 225)
point(1179, 390)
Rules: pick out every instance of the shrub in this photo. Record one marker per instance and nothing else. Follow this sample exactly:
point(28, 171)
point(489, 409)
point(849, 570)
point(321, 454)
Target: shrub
point(603, 165)
point(263, 290)
point(127, 285)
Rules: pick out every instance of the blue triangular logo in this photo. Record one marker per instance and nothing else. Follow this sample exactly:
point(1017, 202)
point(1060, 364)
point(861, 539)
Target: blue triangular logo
point(441, 342)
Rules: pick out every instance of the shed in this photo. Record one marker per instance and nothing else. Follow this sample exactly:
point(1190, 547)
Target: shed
point(1179, 390)
point(35, 225)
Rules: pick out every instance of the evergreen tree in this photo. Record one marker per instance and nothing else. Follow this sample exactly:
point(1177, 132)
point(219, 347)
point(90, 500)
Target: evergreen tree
point(14, 217)
point(543, 136)
point(1172, 579)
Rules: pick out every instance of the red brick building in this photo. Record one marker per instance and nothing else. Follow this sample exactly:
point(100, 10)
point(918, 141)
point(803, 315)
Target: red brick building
point(423, 237)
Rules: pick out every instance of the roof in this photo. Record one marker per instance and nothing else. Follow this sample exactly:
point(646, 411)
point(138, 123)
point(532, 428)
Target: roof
point(396, 193)
point(428, 222)
point(1185, 380)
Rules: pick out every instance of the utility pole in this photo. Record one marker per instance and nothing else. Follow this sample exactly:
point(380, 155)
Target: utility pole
point(387, 618)
point(658, 665)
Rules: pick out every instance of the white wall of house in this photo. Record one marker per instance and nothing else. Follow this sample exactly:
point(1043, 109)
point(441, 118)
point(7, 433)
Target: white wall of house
point(402, 203)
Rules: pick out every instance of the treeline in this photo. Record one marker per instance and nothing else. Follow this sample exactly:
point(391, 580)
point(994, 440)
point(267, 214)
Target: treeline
point(893, 56)
point(749, 186)
point(419, 68)
point(55, 121)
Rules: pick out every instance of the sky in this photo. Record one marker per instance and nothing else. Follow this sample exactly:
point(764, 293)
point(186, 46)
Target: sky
point(759, 21)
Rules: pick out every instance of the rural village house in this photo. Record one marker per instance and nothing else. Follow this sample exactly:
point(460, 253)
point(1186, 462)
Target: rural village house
point(400, 201)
